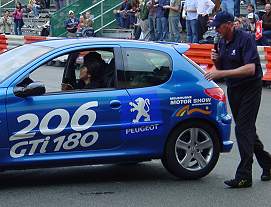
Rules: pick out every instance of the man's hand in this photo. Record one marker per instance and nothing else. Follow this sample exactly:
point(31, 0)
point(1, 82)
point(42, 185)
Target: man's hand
point(214, 55)
point(214, 74)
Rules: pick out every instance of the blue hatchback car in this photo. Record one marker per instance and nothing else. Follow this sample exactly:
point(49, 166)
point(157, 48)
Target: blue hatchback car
point(98, 101)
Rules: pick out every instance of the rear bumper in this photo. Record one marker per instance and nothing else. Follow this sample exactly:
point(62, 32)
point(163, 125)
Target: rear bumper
point(227, 146)
point(225, 133)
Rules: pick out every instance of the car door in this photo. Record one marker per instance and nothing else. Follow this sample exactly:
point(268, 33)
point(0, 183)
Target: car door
point(63, 123)
point(145, 71)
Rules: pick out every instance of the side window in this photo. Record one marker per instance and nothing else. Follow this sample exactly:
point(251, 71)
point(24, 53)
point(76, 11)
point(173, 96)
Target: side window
point(145, 68)
point(79, 70)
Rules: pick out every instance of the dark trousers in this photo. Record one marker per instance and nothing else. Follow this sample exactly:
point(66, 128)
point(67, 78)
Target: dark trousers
point(203, 21)
point(245, 101)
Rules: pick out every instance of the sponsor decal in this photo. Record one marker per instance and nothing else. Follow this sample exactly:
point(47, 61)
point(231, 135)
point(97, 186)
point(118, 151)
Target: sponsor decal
point(26, 145)
point(187, 111)
point(142, 106)
point(184, 100)
point(142, 129)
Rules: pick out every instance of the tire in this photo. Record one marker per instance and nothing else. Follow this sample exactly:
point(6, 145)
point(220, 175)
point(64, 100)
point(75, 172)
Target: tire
point(191, 158)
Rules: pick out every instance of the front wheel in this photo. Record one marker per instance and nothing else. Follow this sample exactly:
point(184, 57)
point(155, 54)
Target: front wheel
point(192, 150)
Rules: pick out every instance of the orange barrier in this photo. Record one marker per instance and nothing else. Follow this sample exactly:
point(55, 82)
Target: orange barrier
point(267, 75)
point(30, 39)
point(3, 43)
point(201, 54)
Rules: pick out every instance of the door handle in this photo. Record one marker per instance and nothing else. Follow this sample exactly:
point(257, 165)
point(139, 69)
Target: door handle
point(115, 104)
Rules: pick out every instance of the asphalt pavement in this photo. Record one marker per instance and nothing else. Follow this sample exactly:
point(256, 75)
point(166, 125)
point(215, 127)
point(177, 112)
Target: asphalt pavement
point(144, 184)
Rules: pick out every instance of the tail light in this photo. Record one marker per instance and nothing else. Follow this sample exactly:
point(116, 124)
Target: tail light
point(216, 93)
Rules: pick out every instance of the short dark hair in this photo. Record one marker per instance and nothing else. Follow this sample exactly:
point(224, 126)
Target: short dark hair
point(251, 5)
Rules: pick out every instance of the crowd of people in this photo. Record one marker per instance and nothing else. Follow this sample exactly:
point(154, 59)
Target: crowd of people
point(164, 20)
point(157, 20)
point(81, 27)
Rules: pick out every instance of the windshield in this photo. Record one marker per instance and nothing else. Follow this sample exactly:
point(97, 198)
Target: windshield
point(12, 60)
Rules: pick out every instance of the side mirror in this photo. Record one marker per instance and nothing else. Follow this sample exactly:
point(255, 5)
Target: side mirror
point(33, 89)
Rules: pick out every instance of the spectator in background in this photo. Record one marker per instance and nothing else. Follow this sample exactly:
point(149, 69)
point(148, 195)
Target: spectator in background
point(71, 24)
point(18, 19)
point(85, 28)
point(143, 20)
point(88, 19)
point(228, 6)
point(59, 4)
point(152, 5)
point(122, 15)
point(190, 8)
point(47, 4)
point(132, 15)
point(250, 9)
point(237, 8)
point(238, 23)
point(267, 23)
point(162, 20)
point(251, 23)
point(204, 9)
point(34, 6)
point(5, 23)
point(174, 20)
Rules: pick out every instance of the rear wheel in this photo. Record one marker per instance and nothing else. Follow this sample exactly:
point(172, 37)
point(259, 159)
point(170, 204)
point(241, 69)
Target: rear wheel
point(192, 150)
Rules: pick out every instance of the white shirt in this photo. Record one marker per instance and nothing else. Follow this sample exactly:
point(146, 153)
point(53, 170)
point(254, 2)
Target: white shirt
point(205, 7)
point(191, 5)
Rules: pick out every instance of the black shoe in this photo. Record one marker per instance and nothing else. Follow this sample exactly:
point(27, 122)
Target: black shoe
point(266, 175)
point(239, 183)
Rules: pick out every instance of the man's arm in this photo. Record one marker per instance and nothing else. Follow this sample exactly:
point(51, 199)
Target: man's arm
point(175, 8)
point(241, 72)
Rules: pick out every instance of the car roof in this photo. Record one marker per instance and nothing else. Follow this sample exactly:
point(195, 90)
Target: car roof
point(57, 43)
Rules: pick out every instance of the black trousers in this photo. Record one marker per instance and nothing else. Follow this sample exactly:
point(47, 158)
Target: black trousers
point(245, 101)
point(202, 26)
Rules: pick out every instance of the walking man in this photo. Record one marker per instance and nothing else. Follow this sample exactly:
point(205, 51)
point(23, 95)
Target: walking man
point(237, 60)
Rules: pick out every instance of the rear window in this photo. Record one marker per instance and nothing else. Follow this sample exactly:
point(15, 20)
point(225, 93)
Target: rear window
point(194, 64)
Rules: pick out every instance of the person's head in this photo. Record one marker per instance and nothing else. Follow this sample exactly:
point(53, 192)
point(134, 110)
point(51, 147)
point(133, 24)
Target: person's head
point(88, 15)
point(267, 8)
point(18, 5)
point(7, 14)
point(85, 74)
point(250, 8)
point(82, 18)
point(237, 23)
point(71, 14)
point(223, 22)
point(251, 17)
point(94, 71)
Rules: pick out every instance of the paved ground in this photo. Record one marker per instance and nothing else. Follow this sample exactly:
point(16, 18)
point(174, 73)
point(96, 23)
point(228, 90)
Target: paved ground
point(146, 184)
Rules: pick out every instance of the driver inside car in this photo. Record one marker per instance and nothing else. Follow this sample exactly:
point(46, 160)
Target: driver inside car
point(88, 78)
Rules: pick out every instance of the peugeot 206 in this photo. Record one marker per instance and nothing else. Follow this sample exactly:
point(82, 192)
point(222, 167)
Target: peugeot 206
point(139, 101)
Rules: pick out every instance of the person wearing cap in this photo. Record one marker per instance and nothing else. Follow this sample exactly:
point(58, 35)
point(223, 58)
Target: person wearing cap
point(237, 60)
point(71, 24)
point(251, 9)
